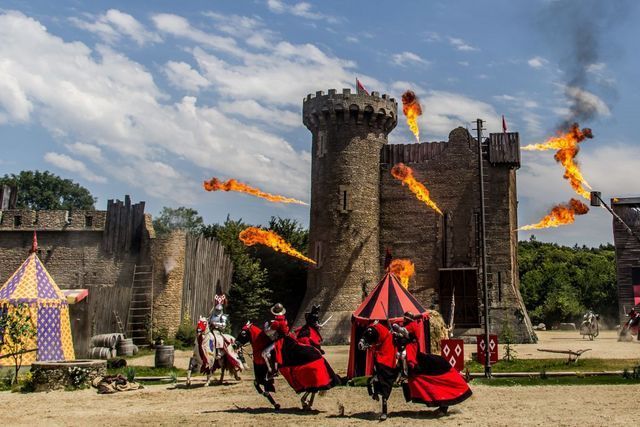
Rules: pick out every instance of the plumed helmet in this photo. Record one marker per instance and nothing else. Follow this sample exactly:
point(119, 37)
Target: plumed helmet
point(219, 308)
point(278, 309)
point(313, 317)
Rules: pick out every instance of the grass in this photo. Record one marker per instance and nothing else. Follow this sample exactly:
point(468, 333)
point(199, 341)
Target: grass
point(551, 365)
point(147, 371)
point(566, 381)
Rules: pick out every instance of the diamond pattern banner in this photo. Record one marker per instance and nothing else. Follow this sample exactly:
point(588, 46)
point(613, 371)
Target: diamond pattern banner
point(493, 348)
point(453, 351)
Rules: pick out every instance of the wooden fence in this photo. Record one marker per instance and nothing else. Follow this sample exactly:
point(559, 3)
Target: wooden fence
point(207, 271)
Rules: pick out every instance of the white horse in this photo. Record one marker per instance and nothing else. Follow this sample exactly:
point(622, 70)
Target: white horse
point(207, 356)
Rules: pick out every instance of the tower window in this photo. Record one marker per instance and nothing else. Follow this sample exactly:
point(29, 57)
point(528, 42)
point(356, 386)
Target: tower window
point(344, 198)
point(17, 221)
point(322, 143)
point(88, 221)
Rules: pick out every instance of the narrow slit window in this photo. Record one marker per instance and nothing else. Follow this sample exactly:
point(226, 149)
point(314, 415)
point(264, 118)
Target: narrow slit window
point(88, 221)
point(17, 221)
point(344, 198)
point(318, 254)
point(322, 144)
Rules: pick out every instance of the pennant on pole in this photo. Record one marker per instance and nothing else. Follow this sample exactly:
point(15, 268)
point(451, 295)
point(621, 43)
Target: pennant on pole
point(504, 124)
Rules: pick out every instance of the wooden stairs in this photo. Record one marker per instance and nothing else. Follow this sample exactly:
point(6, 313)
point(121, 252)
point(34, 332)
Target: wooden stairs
point(139, 321)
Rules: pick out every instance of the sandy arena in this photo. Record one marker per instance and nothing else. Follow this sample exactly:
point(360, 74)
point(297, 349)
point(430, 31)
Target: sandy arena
point(238, 403)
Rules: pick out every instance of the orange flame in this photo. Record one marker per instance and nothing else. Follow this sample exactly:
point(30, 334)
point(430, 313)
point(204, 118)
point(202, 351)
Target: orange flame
point(254, 235)
point(404, 269)
point(214, 184)
point(405, 174)
point(567, 146)
point(560, 215)
point(412, 109)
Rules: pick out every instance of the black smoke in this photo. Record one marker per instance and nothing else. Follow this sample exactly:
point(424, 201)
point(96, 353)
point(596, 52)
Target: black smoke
point(581, 36)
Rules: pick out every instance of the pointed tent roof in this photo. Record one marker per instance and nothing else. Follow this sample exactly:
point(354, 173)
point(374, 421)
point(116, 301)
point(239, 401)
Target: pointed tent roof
point(389, 299)
point(31, 283)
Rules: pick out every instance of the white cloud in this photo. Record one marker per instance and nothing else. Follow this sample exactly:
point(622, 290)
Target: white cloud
point(253, 110)
point(460, 44)
point(406, 58)
point(522, 108)
point(90, 151)
point(301, 9)
point(537, 62)
point(182, 76)
point(69, 164)
point(114, 24)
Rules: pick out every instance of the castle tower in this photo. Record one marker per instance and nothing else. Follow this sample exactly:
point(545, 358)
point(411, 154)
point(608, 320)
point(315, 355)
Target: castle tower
point(348, 131)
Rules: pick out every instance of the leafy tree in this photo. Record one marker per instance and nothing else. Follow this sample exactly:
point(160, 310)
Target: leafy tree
point(287, 277)
point(181, 218)
point(17, 330)
point(249, 296)
point(46, 191)
point(559, 283)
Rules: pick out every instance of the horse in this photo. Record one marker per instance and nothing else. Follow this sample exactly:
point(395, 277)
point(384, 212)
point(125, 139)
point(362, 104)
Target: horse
point(263, 382)
point(589, 326)
point(430, 379)
point(207, 357)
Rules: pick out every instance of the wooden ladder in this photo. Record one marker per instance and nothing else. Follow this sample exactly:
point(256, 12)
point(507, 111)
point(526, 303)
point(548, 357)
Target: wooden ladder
point(141, 305)
point(118, 322)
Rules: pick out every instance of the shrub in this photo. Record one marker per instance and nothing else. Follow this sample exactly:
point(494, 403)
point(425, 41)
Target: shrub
point(186, 334)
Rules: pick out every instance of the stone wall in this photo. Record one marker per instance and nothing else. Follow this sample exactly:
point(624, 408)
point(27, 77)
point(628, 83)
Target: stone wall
point(168, 255)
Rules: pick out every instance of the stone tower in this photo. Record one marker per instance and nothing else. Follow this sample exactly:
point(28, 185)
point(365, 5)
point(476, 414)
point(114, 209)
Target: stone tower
point(349, 130)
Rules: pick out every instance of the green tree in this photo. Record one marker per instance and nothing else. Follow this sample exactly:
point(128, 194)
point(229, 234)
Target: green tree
point(558, 283)
point(46, 191)
point(287, 276)
point(17, 330)
point(181, 218)
point(249, 296)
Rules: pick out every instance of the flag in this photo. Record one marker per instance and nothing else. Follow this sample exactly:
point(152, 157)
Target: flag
point(504, 124)
point(360, 88)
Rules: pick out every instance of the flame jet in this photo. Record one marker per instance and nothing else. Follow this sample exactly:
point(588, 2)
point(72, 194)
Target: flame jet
point(412, 110)
point(567, 146)
point(404, 173)
point(404, 269)
point(214, 184)
point(561, 214)
point(253, 235)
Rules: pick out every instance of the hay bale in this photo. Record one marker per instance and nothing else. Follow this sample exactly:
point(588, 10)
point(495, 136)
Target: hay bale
point(438, 330)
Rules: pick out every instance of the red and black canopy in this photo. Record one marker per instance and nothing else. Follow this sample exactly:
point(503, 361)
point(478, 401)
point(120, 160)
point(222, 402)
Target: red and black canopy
point(388, 300)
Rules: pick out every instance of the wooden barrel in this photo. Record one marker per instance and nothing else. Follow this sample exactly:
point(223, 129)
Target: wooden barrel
point(105, 340)
point(164, 356)
point(100, 353)
point(126, 347)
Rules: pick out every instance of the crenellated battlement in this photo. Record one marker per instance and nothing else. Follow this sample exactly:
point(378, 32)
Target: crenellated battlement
point(52, 220)
point(372, 110)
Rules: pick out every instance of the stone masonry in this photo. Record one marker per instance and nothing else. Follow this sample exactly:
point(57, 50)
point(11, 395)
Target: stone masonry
point(358, 210)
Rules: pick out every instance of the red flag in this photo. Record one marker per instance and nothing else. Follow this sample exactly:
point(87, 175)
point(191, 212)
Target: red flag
point(504, 124)
point(360, 87)
point(34, 244)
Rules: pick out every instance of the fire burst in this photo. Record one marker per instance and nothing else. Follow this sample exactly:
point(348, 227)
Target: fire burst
point(560, 215)
point(567, 146)
point(405, 174)
point(214, 184)
point(253, 235)
point(404, 269)
point(412, 109)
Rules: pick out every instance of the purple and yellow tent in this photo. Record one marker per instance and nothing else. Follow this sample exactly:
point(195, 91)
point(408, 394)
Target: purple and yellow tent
point(31, 284)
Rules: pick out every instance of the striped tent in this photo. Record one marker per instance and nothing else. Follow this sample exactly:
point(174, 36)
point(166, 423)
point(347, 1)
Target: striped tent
point(31, 284)
point(388, 302)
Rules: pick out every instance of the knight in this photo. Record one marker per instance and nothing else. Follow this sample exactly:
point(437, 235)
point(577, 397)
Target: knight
point(223, 343)
point(276, 329)
point(309, 333)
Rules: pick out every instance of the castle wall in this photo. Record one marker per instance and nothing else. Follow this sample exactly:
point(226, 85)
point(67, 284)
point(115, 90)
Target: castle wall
point(433, 242)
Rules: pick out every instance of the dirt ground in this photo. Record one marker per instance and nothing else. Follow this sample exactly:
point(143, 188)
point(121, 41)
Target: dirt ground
point(605, 346)
point(238, 404)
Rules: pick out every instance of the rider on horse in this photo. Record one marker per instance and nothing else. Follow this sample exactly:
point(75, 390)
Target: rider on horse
point(278, 329)
point(222, 342)
point(309, 333)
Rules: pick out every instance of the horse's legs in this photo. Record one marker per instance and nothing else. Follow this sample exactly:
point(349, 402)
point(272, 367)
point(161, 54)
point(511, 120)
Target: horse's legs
point(310, 401)
point(305, 405)
point(208, 380)
point(223, 366)
point(266, 394)
point(189, 376)
point(383, 416)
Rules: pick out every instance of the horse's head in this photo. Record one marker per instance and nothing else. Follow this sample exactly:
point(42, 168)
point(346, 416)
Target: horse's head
point(202, 326)
point(370, 337)
point(244, 336)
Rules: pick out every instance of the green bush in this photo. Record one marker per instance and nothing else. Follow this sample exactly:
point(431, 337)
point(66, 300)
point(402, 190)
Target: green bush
point(186, 334)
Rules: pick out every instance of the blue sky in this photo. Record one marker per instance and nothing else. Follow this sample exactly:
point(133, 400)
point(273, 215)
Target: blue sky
point(151, 98)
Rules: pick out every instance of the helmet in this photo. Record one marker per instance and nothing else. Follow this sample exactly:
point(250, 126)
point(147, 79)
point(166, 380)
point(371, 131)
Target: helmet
point(219, 308)
point(278, 309)
point(313, 317)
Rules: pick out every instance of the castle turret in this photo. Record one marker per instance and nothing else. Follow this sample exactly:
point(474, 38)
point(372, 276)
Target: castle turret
point(349, 131)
